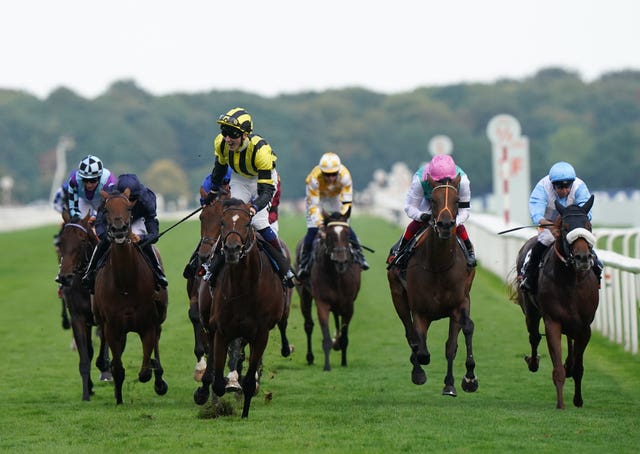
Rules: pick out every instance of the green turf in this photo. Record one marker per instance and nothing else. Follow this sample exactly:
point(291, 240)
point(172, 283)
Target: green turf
point(370, 406)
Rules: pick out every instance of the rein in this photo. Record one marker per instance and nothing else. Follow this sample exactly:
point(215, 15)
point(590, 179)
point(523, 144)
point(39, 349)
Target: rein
point(243, 241)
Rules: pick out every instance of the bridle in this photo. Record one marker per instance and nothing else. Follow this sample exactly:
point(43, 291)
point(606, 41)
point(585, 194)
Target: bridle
point(79, 267)
point(566, 254)
point(436, 222)
point(336, 253)
point(247, 242)
point(118, 234)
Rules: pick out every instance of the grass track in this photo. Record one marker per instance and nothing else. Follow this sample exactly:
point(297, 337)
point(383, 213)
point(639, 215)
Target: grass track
point(370, 406)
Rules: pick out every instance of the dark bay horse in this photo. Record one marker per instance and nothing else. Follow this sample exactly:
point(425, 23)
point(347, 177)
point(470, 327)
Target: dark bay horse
point(334, 283)
point(567, 297)
point(76, 243)
point(197, 288)
point(248, 301)
point(437, 285)
point(126, 298)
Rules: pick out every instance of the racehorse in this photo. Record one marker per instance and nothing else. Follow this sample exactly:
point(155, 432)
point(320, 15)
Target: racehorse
point(198, 289)
point(567, 297)
point(436, 285)
point(126, 298)
point(76, 243)
point(334, 283)
point(248, 301)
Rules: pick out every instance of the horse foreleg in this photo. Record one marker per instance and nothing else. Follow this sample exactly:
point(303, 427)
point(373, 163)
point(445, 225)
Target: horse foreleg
point(103, 363)
point(160, 386)
point(82, 337)
point(116, 344)
point(148, 339)
point(401, 305)
point(553, 333)
point(532, 318)
point(201, 394)
point(249, 383)
point(580, 345)
point(220, 346)
point(469, 381)
point(569, 360)
point(285, 348)
point(305, 306)
point(198, 344)
point(451, 348)
point(327, 342)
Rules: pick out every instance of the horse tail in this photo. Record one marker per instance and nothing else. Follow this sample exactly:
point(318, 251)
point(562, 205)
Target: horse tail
point(513, 285)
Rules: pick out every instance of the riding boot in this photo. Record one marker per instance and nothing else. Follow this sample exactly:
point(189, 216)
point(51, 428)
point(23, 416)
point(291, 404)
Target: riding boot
point(192, 267)
point(597, 268)
point(305, 261)
point(471, 256)
point(89, 278)
point(213, 267)
point(530, 281)
point(282, 262)
point(359, 257)
point(158, 272)
point(395, 251)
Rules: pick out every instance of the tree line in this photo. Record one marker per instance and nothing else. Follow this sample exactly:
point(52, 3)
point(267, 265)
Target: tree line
point(168, 139)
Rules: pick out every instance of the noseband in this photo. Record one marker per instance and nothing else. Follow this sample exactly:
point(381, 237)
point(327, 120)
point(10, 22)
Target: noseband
point(334, 252)
point(79, 267)
point(567, 254)
point(118, 234)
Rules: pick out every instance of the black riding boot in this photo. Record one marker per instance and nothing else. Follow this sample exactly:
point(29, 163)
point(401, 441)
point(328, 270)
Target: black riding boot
point(158, 272)
point(395, 251)
point(283, 264)
point(192, 266)
point(305, 261)
point(358, 255)
point(213, 267)
point(471, 255)
point(89, 278)
point(530, 281)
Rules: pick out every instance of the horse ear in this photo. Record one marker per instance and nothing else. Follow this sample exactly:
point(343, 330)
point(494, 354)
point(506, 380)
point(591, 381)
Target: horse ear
point(588, 204)
point(104, 194)
point(559, 207)
point(87, 217)
point(127, 192)
point(203, 193)
point(456, 181)
point(65, 215)
point(431, 181)
point(347, 213)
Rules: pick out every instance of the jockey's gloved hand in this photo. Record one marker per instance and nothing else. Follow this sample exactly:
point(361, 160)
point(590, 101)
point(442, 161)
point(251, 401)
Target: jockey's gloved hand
point(425, 217)
point(211, 196)
point(253, 210)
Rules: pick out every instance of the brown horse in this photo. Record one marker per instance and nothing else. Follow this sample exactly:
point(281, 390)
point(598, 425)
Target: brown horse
point(334, 283)
point(76, 243)
point(567, 297)
point(248, 301)
point(197, 288)
point(126, 298)
point(436, 285)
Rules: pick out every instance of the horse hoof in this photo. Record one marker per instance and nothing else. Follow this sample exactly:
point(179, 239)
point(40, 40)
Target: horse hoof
point(418, 377)
point(144, 376)
point(310, 358)
point(469, 385)
point(449, 390)
point(106, 376)
point(161, 388)
point(533, 363)
point(200, 396)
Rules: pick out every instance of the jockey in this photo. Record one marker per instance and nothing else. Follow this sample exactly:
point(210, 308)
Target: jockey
point(441, 168)
point(85, 184)
point(253, 180)
point(144, 226)
point(329, 187)
point(560, 184)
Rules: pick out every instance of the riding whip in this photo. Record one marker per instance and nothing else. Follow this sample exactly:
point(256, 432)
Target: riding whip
point(524, 227)
point(174, 225)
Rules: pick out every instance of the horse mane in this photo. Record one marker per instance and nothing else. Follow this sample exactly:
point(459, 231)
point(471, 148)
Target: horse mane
point(232, 202)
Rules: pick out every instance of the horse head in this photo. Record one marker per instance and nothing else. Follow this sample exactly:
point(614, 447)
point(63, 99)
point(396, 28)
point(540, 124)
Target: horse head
point(76, 242)
point(573, 230)
point(236, 231)
point(335, 234)
point(210, 225)
point(118, 208)
point(444, 205)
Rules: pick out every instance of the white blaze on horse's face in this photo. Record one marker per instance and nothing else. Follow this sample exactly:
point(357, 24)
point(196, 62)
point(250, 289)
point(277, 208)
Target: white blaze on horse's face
point(339, 230)
point(235, 218)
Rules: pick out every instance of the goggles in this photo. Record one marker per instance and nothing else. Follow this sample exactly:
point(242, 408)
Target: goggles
point(330, 174)
point(91, 180)
point(232, 133)
point(562, 184)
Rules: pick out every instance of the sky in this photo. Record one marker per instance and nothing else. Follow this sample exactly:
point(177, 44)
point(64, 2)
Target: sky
point(272, 47)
